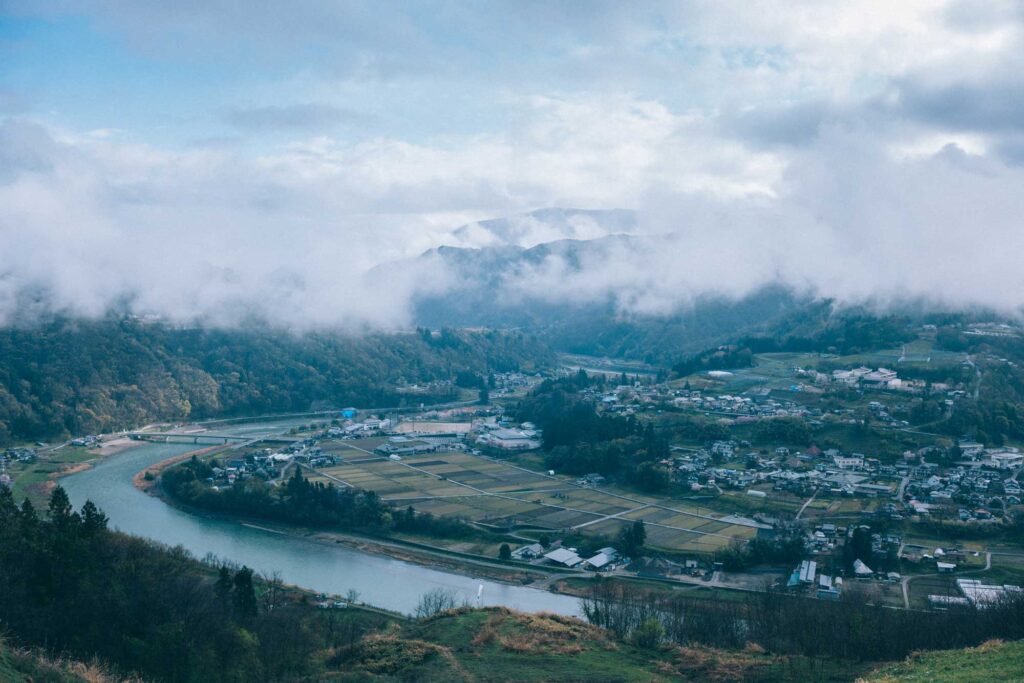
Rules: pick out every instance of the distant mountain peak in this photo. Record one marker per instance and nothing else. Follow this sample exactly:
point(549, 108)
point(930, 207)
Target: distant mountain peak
point(544, 225)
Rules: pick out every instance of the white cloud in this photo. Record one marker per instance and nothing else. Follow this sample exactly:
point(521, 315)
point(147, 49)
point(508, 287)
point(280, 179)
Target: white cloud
point(863, 150)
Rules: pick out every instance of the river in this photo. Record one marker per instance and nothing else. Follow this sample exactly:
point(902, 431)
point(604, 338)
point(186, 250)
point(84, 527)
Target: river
point(380, 581)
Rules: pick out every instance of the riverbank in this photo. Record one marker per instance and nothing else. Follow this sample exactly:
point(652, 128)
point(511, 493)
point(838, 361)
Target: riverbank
point(392, 548)
point(37, 479)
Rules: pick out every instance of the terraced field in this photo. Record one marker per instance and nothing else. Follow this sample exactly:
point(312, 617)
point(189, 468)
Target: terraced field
point(491, 491)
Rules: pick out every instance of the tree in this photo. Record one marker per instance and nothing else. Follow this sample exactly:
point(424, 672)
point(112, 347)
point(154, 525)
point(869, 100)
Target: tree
point(60, 507)
point(631, 539)
point(504, 552)
point(244, 596)
point(435, 601)
point(8, 508)
point(273, 591)
point(93, 520)
point(485, 396)
point(649, 633)
point(857, 547)
point(222, 588)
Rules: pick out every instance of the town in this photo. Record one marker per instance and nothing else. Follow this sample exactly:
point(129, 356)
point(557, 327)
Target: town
point(758, 487)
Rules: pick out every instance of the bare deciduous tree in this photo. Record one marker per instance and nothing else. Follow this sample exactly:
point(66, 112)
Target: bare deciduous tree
point(435, 601)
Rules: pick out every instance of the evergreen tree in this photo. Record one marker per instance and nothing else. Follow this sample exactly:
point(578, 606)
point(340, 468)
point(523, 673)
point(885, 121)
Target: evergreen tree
point(29, 518)
point(222, 588)
point(8, 508)
point(631, 539)
point(60, 506)
point(244, 596)
point(93, 520)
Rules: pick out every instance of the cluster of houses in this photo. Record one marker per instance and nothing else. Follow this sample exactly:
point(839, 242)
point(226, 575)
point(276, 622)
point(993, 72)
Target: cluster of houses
point(865, 378)
point(11, 455)
point(743, 408)
point(512, 383)
point(980, 492)
point(829, 473)
point(371, 426)
point(604, 559)
point(268, 463)
point(263, 465)
point(610, 559)
point(630, 399)
point(86, 441)
point(807, 578)
point(19, 455)
point(826, 539)
point(418, 436)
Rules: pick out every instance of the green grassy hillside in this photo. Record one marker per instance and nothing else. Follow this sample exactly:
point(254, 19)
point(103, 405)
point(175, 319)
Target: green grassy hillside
point(497, 644)
point(991, 662)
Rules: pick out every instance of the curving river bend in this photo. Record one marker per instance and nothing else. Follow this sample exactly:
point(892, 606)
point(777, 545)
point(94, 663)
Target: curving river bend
point(381, 581)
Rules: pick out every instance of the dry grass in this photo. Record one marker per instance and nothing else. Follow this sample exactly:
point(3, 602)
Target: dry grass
point(708, 664)
point(386, 653)
point(37, 666)
point(539, 633)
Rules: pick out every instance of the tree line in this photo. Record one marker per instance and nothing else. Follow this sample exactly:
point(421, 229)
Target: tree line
point(849, 629)
point(304, 502)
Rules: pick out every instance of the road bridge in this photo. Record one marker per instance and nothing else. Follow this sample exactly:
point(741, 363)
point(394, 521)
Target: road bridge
point(178, 437)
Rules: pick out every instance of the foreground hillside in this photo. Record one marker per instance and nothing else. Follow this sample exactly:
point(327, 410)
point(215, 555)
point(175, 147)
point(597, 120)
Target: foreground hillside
point(21, 666)
point(991, 662)
point(497, 644)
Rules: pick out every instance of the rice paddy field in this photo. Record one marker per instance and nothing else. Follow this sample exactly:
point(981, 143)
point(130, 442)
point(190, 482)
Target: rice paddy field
point(491, 491)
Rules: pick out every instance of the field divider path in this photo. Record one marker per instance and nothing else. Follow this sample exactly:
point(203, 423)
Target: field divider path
point(612, 516)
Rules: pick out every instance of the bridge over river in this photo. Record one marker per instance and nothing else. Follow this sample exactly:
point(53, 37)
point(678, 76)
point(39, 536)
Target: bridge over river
point(206, 438)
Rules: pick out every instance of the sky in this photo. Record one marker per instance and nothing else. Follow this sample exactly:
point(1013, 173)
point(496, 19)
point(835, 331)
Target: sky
point(215, 159)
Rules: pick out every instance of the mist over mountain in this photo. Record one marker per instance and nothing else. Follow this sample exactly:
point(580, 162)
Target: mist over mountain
point(495, 287)
point(544, 225)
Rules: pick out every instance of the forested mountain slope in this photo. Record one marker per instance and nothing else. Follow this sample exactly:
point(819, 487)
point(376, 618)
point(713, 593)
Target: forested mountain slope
point(73, 377)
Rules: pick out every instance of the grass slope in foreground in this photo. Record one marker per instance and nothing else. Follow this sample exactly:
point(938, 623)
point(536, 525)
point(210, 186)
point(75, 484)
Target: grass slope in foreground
point(991, 662)
point(23, 666)
point(497, 644)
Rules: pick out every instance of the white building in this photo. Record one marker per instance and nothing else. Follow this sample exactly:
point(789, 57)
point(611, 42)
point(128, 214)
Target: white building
point(848, 462)
point(983, 595)
point(564, 556)
point(511, 439)
point(1006, 459)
